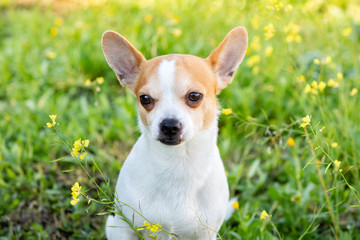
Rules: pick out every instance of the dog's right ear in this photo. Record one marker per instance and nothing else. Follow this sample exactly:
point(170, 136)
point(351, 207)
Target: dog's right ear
point(122, 57)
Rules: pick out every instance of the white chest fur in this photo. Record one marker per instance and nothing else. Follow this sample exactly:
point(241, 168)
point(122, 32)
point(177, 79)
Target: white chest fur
point(183, 188)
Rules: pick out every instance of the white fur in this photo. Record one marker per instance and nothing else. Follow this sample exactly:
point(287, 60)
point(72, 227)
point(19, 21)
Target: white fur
point(184, 187)
point(170, 105)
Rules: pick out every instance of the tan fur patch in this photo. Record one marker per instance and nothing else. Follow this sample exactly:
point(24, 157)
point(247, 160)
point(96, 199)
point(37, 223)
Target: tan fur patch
point(201, 78)
point(192, 74)
point(148, 70)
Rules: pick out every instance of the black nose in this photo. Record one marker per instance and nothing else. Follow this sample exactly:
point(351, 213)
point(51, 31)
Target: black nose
point(170, 127)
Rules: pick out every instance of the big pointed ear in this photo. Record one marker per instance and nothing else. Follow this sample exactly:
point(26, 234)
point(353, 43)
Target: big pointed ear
point(226, 58)
point(122, 57)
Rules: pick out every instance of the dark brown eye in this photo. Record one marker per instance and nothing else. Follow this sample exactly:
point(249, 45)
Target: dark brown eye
point(146, 101)
point(193, 99)
point(195, 96)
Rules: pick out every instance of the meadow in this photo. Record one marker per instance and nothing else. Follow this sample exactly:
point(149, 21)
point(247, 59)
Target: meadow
point(295, 177)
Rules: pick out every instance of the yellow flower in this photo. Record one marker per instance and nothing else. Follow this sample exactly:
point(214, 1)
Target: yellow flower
point(322, 129)
point(337, 163)
point(307, 88)
point(316, 61)
point(59, 22)
point(333, 83)
point(279, 6)
point(76, 187)
point(226, 111)
point(353, 92)
point(77, 145)
point(235, 205)
point(86, 142)
point(175, 20)
point(306, 121)
point(51, 55)
point(253, 60)
point(269, 31)
point(87, 82)
point(334, 145)
point(268, 51)
point(54, 31)
point(74, 201)
point(52, 117)
point(328, 60)
point(314, 84)
point(75, 192)
point(50, 125)
point(177, 32)
point(153, 228)
point(264, 215)
point(292, 30)
point(301, 79)
point(322, 86)
point(100, 80)
point(74, 153)
point(347, 31)
point(147, 225)
point(148, 18)
point(339, 76)
point(288, 8)
point(291, 142)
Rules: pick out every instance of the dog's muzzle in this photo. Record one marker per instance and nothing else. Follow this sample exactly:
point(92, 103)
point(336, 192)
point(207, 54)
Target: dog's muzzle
point(170, 131)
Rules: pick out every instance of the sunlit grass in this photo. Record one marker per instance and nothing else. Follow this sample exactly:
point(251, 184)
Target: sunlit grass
point(302, 60)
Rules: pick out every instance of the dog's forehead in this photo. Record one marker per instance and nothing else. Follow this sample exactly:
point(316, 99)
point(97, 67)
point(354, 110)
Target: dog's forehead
point(176, 70)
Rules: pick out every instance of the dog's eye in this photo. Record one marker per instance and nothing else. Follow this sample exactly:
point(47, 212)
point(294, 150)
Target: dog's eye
point(146, 101)
point(193, 99)
point(194, 96)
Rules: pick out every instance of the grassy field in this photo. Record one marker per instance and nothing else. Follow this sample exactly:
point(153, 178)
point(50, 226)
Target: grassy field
point(303, 59)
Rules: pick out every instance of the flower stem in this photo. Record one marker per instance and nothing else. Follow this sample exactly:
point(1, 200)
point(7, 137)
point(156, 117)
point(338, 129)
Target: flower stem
point(323, 184)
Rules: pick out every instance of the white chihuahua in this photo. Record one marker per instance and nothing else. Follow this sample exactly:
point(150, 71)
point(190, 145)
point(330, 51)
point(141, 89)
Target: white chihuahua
point(174, 175)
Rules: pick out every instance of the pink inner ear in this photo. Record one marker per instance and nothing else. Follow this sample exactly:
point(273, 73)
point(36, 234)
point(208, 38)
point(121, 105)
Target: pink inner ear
point(228, 64)
point(122, 57)
point(228, 55)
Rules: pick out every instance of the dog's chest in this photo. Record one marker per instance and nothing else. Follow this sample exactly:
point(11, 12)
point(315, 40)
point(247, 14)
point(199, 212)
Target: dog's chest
point(182, 194)
point(179, 207)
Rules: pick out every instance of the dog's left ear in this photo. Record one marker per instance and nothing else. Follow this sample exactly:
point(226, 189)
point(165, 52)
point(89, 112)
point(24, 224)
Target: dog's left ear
point(226, 58)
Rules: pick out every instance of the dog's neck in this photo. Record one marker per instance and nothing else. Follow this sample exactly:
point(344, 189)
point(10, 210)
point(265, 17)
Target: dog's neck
point(190, 161)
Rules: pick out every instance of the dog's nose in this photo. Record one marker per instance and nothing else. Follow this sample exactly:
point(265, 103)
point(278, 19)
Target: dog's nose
point(170, 127)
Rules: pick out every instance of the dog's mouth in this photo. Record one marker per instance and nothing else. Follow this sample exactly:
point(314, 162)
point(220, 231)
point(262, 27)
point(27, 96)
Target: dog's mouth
point(170, 141)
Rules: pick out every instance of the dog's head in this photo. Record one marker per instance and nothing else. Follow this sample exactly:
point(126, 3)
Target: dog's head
point(176, 94)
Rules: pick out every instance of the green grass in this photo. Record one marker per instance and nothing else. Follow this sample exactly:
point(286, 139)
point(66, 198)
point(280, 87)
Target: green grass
point(264, 172)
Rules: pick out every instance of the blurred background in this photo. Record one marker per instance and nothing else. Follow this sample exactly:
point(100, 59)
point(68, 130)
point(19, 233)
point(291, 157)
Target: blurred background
point(303, 59)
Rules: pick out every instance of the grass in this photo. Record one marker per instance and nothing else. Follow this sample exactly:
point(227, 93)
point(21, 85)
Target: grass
point(48, 51)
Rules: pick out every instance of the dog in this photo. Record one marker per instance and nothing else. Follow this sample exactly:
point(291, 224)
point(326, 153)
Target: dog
point(173, 177)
